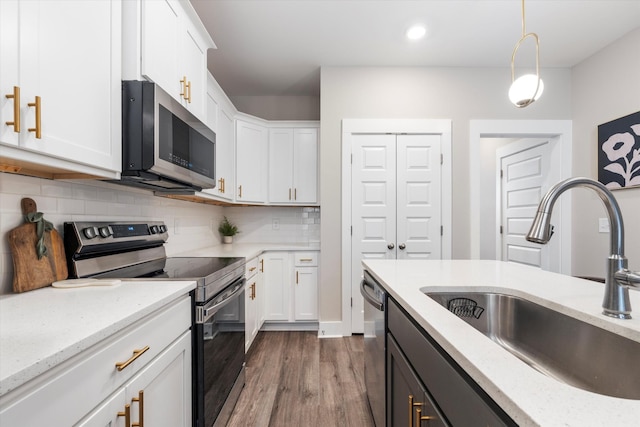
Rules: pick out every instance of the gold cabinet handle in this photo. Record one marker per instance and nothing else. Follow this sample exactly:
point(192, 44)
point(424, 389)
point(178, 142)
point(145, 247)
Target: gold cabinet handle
point(189, 92)
point(295, 194)
point(183, 83)
point(253, 291)
point(222, 185)
point(296, 277)
point(38, 106)
point(306, 259)
point(420, 418)
point(240, 191)
point(16, 109)
point(410, 410)
point(220, 189)
point(289, 194)
point(261, 266)
point(127, 415)
point(140, 400)
point(136, 354)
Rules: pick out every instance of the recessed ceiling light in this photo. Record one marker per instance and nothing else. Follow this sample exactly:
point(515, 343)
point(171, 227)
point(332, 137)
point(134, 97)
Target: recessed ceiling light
point(416, 32)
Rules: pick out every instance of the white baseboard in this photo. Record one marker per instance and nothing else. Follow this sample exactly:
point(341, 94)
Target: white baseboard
point(330, 330)
point(288, 326)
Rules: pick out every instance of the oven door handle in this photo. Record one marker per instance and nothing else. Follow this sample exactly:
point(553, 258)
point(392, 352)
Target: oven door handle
point(207, 312)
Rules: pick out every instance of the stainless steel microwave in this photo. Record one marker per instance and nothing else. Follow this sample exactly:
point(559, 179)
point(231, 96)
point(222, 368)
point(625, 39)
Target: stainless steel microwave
point(164, 146)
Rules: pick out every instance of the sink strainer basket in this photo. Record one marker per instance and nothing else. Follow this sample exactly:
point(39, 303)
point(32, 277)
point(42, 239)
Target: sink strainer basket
point(465, 307)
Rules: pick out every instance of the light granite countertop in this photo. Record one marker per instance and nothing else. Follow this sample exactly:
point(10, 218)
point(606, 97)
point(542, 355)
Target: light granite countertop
point(246, 250)
point(43, 328)
point(529, 397)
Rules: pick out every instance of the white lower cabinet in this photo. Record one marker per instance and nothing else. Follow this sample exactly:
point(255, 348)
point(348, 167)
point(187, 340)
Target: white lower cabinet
point(147, 365)
point(254, 300)
point(291, 286)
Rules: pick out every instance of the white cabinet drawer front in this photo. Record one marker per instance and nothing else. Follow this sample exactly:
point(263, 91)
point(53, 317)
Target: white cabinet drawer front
point(68, 392)
point(306, 259)
point(251, 268)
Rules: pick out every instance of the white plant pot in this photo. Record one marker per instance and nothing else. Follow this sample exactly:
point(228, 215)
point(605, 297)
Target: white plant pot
point(227, 239)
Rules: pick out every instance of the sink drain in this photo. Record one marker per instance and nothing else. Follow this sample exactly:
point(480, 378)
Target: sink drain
point(464, 307)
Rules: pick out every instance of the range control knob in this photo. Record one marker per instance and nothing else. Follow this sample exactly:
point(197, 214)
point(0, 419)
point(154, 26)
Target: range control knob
point(154, 229)
point(163, 228)
point(90, 232)
point(106, 231)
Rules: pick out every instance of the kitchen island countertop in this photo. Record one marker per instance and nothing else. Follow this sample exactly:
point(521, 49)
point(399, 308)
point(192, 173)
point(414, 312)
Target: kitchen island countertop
point(43, 328)
point(529, 397)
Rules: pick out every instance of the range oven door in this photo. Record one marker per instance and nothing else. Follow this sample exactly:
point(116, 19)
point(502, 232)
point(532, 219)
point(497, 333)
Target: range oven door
point(219, 355)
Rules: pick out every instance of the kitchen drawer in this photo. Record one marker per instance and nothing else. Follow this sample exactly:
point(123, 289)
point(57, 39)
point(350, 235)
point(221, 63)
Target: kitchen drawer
point(446, 381)
point(305, 259)
point(251, 268)
point(67, 392)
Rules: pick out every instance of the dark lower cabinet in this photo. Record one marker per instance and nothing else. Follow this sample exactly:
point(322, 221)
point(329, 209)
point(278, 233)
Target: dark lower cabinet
point(418, 366)
point(409, 403)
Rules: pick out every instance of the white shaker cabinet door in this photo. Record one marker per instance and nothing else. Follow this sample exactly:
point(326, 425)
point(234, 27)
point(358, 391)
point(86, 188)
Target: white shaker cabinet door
point(281, 165)
point(163, 388)
point(305, 166)
point(251, 162)
point(160, 44)
point(306, 293)
point(69, 76)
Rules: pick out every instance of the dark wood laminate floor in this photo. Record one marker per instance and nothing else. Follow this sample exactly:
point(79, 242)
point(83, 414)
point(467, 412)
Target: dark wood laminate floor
point(296, 379)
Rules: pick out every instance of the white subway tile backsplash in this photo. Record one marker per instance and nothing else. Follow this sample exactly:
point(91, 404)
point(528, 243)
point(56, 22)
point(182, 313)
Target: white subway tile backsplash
point(191, 225)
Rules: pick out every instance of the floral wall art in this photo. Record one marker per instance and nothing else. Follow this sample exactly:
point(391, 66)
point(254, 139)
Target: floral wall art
point(619, 152)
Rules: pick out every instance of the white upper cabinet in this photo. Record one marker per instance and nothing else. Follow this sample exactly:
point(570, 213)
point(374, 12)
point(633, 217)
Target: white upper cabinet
point(252, 141)
point(61, 70)
point(293, 165)
point(172, 50)
point(220, 113)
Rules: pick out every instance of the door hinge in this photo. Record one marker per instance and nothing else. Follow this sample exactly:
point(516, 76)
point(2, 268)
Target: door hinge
point(352, 302)
point(441, 158)
point(442, 230)
point(351, 230)
point(500, 229)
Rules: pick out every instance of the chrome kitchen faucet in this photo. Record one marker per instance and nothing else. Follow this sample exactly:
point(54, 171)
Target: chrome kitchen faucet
point(618, 277)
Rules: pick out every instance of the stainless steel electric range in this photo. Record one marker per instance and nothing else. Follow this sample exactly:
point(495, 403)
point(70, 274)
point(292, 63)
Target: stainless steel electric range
point(135, 250)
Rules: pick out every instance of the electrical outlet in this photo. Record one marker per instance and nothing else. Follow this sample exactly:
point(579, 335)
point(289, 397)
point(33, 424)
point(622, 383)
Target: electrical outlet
point(275, 224)
point(603, 225)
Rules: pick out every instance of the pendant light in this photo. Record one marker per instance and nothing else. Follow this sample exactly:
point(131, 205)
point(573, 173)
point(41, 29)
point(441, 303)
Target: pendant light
point(527, 88)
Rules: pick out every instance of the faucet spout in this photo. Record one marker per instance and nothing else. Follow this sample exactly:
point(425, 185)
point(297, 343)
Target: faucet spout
point(618, 278)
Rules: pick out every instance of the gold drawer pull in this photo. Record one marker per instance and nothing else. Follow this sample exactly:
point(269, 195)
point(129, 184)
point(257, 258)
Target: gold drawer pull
point(140, 400)
point(261, 266)
point(16, 109)
point(136, 354)
point(38, 106)
point(252, 269)
point(306, 259)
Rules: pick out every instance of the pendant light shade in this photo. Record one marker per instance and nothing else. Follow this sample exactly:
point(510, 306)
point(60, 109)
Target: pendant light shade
point(527, 88)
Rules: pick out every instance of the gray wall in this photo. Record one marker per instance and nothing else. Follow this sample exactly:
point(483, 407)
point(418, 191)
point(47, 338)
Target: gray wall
point(459, 94)
point(604, 87)
point(279, 107)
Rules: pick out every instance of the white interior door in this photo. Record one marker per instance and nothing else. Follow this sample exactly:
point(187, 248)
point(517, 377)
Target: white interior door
point(418, 197)
point(373, 207)
point(395, 204)
point(524, 180)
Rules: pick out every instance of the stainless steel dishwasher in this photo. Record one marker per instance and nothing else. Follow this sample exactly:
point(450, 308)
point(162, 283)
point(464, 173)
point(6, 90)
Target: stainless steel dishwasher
point(374, 346)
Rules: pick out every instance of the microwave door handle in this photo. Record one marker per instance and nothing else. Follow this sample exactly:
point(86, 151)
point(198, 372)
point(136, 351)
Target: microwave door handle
point(372, 300)
point(210, 311)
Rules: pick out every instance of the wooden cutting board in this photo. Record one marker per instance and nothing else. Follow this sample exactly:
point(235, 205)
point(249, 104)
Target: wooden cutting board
point(29, 272)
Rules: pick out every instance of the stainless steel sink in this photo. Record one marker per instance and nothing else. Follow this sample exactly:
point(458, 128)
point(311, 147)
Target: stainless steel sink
point(555, 344)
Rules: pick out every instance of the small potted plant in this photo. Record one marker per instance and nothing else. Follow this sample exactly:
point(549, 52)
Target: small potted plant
point(227, 229)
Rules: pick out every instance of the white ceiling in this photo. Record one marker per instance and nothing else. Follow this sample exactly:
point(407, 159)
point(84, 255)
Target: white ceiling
point(276, 47)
